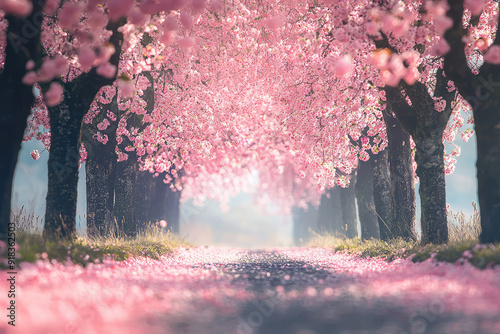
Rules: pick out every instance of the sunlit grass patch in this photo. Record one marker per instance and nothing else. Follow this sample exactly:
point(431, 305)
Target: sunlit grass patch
point(365, 248)
point(463, 245)
point(152, 242)
point(481, 256)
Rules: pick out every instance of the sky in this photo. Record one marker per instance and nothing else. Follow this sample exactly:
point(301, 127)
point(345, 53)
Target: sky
point(245, 224)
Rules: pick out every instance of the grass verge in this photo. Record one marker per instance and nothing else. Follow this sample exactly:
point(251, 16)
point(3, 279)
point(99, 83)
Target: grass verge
point(152, 242)
point(479, 255)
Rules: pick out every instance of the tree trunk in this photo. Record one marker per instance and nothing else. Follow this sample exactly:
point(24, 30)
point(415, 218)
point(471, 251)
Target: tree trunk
point(165, 205)
point(401, 177)
point(349, 215)
point(172, 208)
point(487, 126)
point(366, 204)
point(303, 222)
point(330, 212)
point(65, 125)
point(143, 198)
point(125, 184)
point(100, 180)
point(17, 100)
point(426, 125)
point(482, 91)
point(429, 157)
point(382, 193)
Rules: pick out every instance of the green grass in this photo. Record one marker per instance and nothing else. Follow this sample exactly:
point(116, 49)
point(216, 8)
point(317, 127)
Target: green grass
point(481, 256)
point(152, 242)
point(463, 245)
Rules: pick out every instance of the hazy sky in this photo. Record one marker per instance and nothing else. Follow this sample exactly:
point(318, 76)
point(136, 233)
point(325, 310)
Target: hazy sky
point(245, 225)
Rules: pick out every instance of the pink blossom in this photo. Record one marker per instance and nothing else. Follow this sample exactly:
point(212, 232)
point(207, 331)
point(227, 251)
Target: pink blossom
point(186, 20)
point(186, 42)
point(103, 125)
point(443, 23)
point(35, 155)
point(51, 7)
point(380, 57)
point(54, 95)
point(440, 48)
point(30, 65)
point(137, 17)
point(363, 156)
point(198, 5)
point(111, 115)
point(119, 8)
point(493, 55)
point(216, 6)
point(171, 23)
point(106, 70)
point(343, 66)
point(275, 22)
point(466, 135)
point(439, 104)
point(86, 56)
point(167, 38)
point(162, 223)
point(122, 156)
point(475, 6)
point(69, 15)
point(21, 8)
point(30, 78)
point(126, 88)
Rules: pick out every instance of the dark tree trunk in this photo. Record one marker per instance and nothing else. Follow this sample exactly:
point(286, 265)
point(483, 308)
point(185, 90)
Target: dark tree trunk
point(304, 221)
point(133, 187)
point(172, 208)
point(100, 179)
point(65, 127)
point(157, 210)
point(125, 184)
point(429, 157)
point(330, 212)
point(415, 108)
point(426, 126)
point(349, 215)
point(100, 172)
point(166, 205)
point(401, 178)
point(143, 197)
point(382, 193)
point(482, 91)
point(487, 120)
point(366, 205)
point(17, 100)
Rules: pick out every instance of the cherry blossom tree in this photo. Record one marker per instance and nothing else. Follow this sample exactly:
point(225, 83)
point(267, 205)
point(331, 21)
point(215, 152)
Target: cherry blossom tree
point(472, 63)
point(20, 47)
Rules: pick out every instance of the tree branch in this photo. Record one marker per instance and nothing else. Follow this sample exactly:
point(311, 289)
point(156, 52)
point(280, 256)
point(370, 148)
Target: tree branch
point(455, 61)
point(405, 113)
